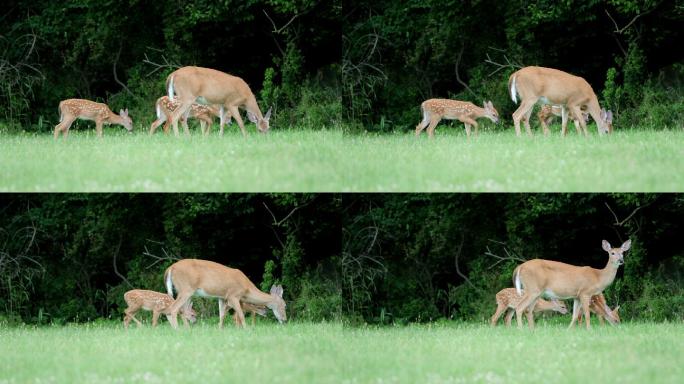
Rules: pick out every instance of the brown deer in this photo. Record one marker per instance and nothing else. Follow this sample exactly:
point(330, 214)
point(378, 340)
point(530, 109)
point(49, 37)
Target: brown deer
point(548, 112)
point(156, 302)
point(216, 88)
point(599, 306)
point(205, 114)
point(72, 109)
point(466, 112)
point(230, 286)
point(552, 86)
point(507, 299)
point(557, 280)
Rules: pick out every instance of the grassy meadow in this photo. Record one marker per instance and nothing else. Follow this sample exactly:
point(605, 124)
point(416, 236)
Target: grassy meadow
point(304, 160)
point(331, 353)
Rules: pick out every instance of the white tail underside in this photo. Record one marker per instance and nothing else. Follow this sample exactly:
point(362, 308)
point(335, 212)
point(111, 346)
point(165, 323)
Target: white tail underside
point(171, 88)
point(514, 91)
point(518, 286)
point(169, 284)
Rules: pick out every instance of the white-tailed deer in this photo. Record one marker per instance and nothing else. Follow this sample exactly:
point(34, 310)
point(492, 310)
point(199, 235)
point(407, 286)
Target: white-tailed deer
point(466, 112)
point(507, 299)
point(556, 280)
point(249, 308)
point(72, 109)
point(156, 302)
point(229, 285)
point(547, 113)
point(216, 88)
point(164, 107)
point(552, 86)
point(599, 306)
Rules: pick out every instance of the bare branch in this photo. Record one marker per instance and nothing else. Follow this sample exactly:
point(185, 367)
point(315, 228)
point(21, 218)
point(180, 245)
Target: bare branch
point(280, 30)
point(457, 255)
point(116, 270)
point(621, 223)
point(168, 257)
point(116, 77)
point(167, 64)
point(622, 30)
point(510, 64)
point(510, 255)
point(458, 77)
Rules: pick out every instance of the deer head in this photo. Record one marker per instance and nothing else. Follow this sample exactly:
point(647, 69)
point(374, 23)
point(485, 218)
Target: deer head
point(262, 124)
point(126, 120)
point(616, 254)
point(277, 305)
point(491, 112)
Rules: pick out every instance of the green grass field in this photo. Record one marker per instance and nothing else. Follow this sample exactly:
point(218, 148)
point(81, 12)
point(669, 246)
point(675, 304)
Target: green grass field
point(299, 160)
point(331, 353)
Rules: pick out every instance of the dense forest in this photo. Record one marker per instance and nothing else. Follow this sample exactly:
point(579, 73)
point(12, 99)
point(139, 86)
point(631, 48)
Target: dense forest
point(377, 258)
point(369, 63)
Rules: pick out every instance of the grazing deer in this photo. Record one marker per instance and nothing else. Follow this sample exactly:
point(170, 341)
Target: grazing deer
point(507, 299)
point(599, 306)
point(435, 110)
point(553, 279)
point(72, 109)
point(156, 302)
point(547, 113)
point(552, 86)
point(231, 287)
point(217, 88)
point(204, 113)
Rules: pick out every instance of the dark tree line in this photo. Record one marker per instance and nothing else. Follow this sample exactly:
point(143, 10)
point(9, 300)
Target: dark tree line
point(375, 258)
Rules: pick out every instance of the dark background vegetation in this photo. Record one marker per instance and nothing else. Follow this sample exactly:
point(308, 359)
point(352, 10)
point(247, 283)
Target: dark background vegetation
point(120, 52)
point(377, 258)
point(398, 53)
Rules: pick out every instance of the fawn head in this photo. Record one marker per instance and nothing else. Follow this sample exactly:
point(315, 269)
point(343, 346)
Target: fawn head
point(616, 254)
point(262, 124)
point(189, 313)
point(559, 306)
point(491, 112)
point(277, 305)
point(126, 120)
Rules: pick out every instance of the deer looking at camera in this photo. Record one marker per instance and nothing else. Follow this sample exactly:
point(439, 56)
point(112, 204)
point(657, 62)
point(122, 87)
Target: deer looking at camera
point(164, 107)
point(72, 109)
point(507, 299)
point(466, 112)
point(156, 302)
point(216, 88)
point(229, 285)
point(556, 280)
point(551, 86)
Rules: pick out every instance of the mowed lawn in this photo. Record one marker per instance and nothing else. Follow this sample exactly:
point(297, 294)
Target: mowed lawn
point(320, 161)
point(331, 353)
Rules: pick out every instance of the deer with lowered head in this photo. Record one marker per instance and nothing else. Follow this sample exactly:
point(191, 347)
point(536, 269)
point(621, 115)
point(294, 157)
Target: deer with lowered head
point(466, 112)
point(556, 280)
point(507, 299)
point(72, 109)
point(229, 285)
point(215, 88)
point(552, 86)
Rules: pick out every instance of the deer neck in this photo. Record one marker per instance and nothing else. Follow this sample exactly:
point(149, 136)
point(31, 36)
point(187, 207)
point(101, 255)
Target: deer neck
point(113, 118)
point(477, 112)
point(607, 274)
point(256, 296)
point(252, 106)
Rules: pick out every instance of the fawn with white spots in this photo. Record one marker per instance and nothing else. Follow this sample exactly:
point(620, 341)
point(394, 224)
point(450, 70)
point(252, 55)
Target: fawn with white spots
point(507, 299)
point(157, 302)
point(72, 109)
point(466, 112)
point(204, 113)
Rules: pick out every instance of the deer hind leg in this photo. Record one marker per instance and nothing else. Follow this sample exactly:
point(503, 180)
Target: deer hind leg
point(522, 111)
point(130, 314)
point(431, 128)
point(158, 122)
point(575, 312)
point(423, 123)
point(528, 128)
point(509, 316)
point(500, 308)
point(64, 127)
point(182, 299)
point(180, 111)
point(528, 301)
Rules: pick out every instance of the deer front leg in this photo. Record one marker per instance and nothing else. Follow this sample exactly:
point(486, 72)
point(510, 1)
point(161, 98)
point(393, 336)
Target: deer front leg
point(155, 317)
point(235, 303)
point(585, 309)
point(181, 300)
point(236, 114)
point(575, 312)
point(222, 312)
point(521, 112)
point(468, 122)
point(98, 128)
point(130, 315)
point(183, 107)
point(157, 123)
point(431, 128)
point(529, 299)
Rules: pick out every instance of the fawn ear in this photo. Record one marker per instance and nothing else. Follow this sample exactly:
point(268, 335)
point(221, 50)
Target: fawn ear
point(606, 246)
point(625, 246)
point(252, 117)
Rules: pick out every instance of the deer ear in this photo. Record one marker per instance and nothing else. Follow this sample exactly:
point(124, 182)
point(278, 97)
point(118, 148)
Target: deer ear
point(274, 290)
point(615, 311)
point(625, 246)
point(609, 116)
point(252, 117)
point(268, 114)
point(606, 246)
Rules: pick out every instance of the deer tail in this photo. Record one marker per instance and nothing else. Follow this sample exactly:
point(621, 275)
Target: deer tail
point(512, 88)
point(169, 283)
point(516, 281)
point(169, 85)
point(158, 110)
point(426, 116)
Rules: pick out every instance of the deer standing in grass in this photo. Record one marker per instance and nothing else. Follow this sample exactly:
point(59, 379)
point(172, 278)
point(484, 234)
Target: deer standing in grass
point(599, 306)
point(156, 302)
point(204, 113)
point(216, 88)
point(230, 286)
point(552, 86)
point(507, 299)
point(548, 112)
point(466, 112)
point(72, 109)
point(556, 280)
